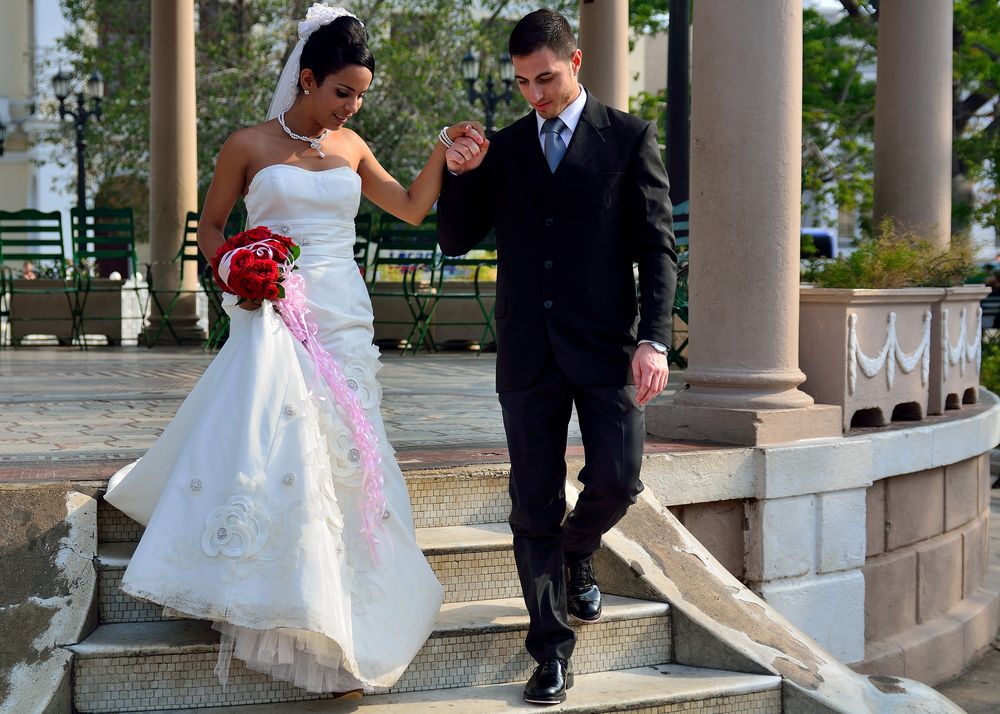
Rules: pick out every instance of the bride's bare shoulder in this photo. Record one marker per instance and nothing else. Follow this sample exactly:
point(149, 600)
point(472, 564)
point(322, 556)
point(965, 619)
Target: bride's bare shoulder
point(250, 136)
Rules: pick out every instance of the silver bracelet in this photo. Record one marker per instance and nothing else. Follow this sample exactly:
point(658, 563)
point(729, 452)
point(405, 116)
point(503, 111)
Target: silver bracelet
point(444, 138)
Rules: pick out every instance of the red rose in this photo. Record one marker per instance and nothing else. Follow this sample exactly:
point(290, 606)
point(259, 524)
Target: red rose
point(260, 233)
point(266, 270)
point(249, 286)
point(271, 291)
point(280, 251)
point(241, 260)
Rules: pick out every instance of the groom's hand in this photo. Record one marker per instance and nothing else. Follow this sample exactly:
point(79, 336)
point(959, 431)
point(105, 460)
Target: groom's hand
point(468, 148)
point(649, 372)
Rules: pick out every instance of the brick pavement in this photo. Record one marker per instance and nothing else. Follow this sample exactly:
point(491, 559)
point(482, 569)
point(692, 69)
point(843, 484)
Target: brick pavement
point(72, 415)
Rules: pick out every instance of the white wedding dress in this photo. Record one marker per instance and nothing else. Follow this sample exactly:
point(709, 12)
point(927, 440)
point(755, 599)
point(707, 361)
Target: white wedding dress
point(252, 496)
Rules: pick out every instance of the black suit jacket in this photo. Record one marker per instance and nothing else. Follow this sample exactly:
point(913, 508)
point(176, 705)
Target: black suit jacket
point(566, 243)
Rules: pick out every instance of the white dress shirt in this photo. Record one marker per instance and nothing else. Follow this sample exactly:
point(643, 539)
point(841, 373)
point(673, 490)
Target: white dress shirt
point(570, 117)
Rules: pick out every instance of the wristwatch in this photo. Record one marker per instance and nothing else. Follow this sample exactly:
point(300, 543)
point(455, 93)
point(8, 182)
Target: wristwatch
point(658, 346)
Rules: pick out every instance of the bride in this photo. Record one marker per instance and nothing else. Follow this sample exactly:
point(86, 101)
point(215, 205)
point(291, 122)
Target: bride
point(256, 501)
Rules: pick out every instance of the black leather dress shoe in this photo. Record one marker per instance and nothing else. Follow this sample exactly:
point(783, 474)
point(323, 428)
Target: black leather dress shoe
point(549, 682)
point(583, 598)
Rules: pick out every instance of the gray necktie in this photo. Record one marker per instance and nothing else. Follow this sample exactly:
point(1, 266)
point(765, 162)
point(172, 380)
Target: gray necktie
point(555, 147)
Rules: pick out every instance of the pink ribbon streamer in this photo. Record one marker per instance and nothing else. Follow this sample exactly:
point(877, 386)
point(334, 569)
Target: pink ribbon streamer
point(300, 322)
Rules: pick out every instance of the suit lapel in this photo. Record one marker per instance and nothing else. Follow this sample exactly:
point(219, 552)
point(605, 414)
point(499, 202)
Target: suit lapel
point(587, 140)
point(530, 148)
point(528, 138)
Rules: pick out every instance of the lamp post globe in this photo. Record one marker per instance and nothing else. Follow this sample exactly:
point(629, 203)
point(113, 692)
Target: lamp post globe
point(61, 85)
point(470, 66)
point(506, 68)
point(490, 97)
point(95, 86)
point(80, 113)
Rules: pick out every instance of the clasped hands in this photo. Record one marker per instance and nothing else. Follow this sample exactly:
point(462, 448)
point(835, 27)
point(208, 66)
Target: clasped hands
point(468, 148)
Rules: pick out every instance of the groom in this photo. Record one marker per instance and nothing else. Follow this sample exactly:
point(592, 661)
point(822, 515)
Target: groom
point(576, 192)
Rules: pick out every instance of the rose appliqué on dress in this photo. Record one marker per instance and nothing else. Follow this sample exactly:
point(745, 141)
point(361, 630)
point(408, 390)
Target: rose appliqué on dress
point(360, 376)
point(236, 529)
point(345, 457)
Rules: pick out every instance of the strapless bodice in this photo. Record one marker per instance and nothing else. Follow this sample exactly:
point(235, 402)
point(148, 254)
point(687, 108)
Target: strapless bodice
point(314, 208)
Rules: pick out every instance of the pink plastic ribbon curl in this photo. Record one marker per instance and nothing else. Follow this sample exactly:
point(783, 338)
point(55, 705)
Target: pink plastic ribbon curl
point(301, 323)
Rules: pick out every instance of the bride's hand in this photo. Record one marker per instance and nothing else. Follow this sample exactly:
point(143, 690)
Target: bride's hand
point(250, 304)
point(469, 147)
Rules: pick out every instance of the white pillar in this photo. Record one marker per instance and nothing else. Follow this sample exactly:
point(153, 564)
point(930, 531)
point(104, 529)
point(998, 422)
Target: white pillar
point(746, 124)
point(913, 117)
point(173, 148)
point(604, 42)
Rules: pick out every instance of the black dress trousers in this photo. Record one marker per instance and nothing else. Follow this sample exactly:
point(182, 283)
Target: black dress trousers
point(536, 419)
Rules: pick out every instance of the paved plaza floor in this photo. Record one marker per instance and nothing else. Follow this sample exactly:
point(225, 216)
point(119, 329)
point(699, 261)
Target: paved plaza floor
point(67, 413)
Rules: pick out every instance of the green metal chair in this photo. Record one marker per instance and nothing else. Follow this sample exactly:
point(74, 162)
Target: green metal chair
point(404, 267)
point(218, 318)
point(675, 352)
point(36, 237)
point(450, 283)
point(682, 234)
point(365, 230)
point(187, 260)
point(682, 230)
point(104, 241)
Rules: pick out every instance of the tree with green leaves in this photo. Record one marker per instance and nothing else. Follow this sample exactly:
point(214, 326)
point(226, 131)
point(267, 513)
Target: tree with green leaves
point(975, 103)
point(839, 57)
point(241, 46)
point(838, 112)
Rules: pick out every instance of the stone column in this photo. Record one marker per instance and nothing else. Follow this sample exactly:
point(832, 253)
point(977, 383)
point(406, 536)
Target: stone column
point(913, 118)
point(746, 123)
point(173, 184)
point(604, 41)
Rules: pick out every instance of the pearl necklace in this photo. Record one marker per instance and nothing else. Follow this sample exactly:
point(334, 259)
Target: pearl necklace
point(314, 143)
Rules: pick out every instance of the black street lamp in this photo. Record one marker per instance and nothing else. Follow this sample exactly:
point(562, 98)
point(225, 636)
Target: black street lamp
point(80, 113)
point(490, 98)
point(3, 136)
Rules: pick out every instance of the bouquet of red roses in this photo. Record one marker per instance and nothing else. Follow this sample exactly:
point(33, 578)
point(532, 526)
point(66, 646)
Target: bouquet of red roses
point(253, 264)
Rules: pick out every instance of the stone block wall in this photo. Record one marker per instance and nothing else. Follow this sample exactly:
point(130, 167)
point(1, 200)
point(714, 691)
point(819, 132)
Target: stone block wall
point(927, 612)
point(720, 527)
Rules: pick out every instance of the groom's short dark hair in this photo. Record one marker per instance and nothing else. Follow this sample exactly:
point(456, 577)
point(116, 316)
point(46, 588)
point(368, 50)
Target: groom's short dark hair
point(539, 29)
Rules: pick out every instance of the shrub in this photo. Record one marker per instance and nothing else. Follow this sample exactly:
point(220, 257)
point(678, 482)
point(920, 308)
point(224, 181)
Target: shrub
point(989, 372)
point(896, 259)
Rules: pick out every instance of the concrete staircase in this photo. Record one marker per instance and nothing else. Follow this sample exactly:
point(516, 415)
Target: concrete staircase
point(138, 660)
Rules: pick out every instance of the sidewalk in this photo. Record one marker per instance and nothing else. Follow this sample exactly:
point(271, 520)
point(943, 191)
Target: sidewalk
point(79, 415)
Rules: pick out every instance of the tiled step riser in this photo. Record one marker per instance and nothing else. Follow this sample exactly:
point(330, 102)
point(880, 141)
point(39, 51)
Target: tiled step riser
point(471, 576)
point(437, 501)
point(751, 703)
point(157, 682)
point(113, 526)
point(457, 501)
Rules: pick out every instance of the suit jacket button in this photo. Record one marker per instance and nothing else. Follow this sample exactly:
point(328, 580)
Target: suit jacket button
point(547, 304)
point(549, 222)
point(548, 264)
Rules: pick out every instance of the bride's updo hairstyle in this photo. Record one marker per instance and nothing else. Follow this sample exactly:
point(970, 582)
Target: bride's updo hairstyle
point(334, 46)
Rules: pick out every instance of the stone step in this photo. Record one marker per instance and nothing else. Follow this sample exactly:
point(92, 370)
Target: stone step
point(472, 562)
point(465, 495)
point(153, 666)
point(664, 689)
